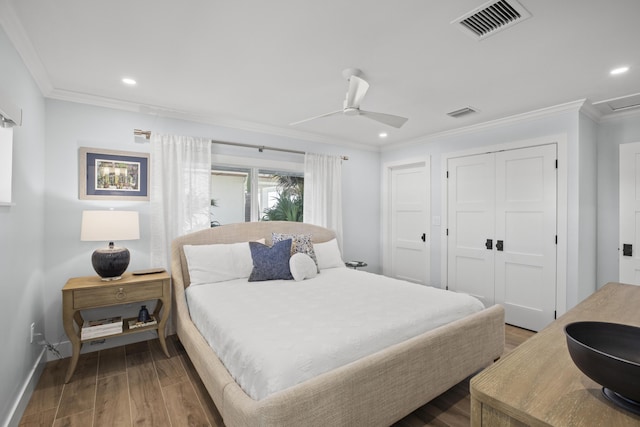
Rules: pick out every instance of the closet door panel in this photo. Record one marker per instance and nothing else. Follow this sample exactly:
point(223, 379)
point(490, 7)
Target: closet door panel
point(525, 263)
point(471, 217)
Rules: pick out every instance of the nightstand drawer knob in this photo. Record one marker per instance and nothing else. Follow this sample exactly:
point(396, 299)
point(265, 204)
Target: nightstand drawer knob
point(120, 295)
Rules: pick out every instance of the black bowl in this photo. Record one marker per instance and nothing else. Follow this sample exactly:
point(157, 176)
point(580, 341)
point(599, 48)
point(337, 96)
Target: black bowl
point(609, 354)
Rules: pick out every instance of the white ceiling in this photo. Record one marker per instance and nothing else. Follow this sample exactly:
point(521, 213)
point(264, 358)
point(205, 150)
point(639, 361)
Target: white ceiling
point(264, 64)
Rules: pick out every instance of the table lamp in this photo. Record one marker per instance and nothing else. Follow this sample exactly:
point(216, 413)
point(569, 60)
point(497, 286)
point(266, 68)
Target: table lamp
point(109, 226)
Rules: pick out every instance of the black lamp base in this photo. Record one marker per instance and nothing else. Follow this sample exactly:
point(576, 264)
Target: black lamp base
point(110, 262)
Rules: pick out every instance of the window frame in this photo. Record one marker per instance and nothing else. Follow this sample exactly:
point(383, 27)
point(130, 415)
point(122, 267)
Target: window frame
point(255, 165)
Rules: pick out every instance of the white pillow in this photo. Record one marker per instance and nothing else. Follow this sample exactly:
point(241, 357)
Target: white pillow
point(328, 254)
point(302, 267)
point(217, 263)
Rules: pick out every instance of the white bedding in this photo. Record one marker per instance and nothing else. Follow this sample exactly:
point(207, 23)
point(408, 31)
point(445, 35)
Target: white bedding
point(275, 334)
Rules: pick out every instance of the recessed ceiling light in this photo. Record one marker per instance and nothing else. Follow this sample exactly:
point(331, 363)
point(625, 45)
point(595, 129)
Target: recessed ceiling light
point(129, 81)
point(619, 70)
point(382, 134)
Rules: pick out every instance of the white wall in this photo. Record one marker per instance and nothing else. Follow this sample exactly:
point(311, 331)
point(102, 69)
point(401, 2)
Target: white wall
point(72, 125)
point(587, 202)
point(528, 127)
point(21, 236)
point(611, 133)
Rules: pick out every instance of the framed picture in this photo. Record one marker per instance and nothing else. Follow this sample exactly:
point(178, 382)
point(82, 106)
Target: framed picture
point(113, 175)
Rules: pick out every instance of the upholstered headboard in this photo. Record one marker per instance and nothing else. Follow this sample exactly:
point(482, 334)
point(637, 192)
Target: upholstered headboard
point(234, 233)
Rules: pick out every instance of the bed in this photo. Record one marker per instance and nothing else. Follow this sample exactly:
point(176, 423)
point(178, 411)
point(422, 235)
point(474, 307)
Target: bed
point(374, 389)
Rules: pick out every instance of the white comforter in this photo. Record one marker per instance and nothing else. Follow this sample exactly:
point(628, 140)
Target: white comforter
point(273, 335)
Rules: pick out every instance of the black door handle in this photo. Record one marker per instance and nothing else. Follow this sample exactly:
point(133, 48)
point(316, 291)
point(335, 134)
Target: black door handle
point(489, 244)
point(424, 237)
point(499, 245)
point(627, 249)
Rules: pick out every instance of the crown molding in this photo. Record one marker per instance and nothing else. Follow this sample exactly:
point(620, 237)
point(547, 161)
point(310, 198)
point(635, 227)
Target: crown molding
point(592, 112)
point(22, 44)
point(98, 101)
point(516, 118)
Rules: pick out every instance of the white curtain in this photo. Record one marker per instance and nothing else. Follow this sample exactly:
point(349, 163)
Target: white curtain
point(323, 192)
point(180, 191)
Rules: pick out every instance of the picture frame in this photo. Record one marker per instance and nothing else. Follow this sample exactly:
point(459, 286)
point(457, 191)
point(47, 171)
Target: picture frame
point(113, 175)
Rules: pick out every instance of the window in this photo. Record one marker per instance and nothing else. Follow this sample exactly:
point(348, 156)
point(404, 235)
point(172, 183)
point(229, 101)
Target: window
point(230, 195)
point(241, 194)
point(281, 196)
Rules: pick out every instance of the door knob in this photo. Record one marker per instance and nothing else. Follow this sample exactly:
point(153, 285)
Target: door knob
point(499, 245)
point(627, 249)
point(424, 237)
point(489, 244)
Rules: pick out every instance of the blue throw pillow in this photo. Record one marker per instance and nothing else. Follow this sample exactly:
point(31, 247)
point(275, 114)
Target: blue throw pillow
point(270, 263)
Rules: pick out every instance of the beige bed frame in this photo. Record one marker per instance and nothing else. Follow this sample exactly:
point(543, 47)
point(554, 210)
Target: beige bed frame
point(376, 390)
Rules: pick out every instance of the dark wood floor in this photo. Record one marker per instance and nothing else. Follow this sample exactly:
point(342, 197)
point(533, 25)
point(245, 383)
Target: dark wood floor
point(120, 387)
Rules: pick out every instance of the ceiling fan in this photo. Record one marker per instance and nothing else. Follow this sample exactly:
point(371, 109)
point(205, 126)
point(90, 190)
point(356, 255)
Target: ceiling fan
point(358, 88)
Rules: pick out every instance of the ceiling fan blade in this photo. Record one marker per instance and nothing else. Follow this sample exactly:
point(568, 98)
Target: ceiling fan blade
point(357, 90)
point(316, 117)
point(387, 119)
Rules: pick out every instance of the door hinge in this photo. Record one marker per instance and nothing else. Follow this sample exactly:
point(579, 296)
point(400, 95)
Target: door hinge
point(447, 231)
point(447, 287)
point(447, 174)
point(556, 239)
point(556, 163)
point(555, 314)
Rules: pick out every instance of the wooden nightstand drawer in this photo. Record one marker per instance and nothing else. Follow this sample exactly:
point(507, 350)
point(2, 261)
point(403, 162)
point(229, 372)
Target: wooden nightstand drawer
point(89, 298)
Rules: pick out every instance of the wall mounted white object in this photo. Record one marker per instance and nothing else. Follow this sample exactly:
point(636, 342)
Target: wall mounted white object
point(10, 116)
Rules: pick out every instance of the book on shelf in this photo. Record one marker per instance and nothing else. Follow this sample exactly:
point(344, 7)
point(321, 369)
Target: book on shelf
point(134, 323)
point(86, 335)
point(103, 323)
point(101, 327)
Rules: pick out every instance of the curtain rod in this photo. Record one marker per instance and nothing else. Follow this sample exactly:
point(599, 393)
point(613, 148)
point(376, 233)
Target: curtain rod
point(261, 148)
point(140, 132)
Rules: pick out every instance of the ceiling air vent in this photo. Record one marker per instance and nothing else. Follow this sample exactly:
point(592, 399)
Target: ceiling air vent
point(491, 18)
point(615, 105)
point(461, 112)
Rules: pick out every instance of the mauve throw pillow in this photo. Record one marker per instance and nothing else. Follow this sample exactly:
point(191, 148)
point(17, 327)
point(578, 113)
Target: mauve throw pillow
point(270, 263)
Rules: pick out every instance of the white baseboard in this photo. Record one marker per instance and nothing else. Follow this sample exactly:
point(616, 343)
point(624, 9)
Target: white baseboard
point(22, 400)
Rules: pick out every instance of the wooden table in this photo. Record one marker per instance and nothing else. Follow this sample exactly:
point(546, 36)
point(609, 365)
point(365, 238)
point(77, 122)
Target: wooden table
point(84, 293)
point(539, 385)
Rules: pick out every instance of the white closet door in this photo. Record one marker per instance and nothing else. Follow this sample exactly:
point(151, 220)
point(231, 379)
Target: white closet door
point(630, 213)
point(525, 276)
point(409, 223)
point(471, 219)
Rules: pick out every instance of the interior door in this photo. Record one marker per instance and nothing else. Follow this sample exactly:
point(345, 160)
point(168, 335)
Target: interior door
point(409, 194)
point(525, 277)
point(471, 222)
point(629, 250)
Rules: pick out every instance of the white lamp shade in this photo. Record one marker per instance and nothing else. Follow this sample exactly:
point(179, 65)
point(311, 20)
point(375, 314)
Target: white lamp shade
point(110, 226)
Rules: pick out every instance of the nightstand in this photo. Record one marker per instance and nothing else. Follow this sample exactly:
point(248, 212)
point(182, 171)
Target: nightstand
point(84, 293)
